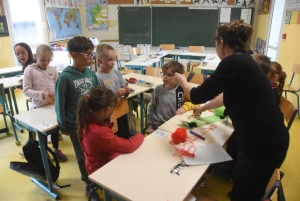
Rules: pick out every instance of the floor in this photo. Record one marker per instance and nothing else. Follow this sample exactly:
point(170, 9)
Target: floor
point(15, 186)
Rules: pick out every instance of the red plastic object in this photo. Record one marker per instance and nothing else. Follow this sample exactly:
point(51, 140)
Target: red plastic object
point(131, 80)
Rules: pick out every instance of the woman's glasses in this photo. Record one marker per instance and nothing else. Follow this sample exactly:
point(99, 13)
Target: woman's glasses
point(166, 75)
point(176, 168)
point(91, 55)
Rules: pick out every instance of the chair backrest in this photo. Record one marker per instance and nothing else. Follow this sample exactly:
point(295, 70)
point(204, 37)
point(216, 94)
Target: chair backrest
point(289, 111)
point(196, 49)
point(153, 71)
point(274, 186)
point(167, 46)
point(195, 78)
point(296, 69)
point(134, 51)
point(118, 57)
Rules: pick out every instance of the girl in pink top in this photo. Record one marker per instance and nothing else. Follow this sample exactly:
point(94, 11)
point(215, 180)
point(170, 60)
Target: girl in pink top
point(38, 83)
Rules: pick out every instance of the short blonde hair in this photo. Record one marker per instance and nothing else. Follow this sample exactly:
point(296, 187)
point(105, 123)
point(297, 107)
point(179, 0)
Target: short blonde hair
point(101, 49)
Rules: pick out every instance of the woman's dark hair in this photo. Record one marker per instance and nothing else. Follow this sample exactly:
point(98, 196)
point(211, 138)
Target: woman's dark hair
point(235, 34)
point(30, 60)
point(99, 98)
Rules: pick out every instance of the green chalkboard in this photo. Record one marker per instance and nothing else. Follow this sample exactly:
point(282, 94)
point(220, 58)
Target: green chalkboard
point(183, 26)
point(134, 25)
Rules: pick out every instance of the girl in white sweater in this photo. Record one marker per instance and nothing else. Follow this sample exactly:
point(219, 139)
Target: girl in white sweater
point(38, 83)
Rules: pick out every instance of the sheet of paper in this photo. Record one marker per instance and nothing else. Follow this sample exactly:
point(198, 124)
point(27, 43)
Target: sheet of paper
point(225, 15)
point(208, 154)
point(46, 124)
point(160, 133)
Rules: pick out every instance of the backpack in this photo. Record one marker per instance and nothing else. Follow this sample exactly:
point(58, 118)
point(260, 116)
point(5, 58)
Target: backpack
point(35, 167)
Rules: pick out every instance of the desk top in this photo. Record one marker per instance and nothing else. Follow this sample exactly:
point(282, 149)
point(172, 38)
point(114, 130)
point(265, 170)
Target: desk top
point(10, 70)
point(142, 61)
point(145, 174)
point(35, 118)
point(10, 82)
point(212, 63)
point(219, 135)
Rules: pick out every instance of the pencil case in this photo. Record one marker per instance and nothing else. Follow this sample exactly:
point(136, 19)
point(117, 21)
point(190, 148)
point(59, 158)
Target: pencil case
point(145, 83)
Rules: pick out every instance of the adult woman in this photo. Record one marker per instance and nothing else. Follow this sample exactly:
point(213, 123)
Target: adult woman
point(258, 123)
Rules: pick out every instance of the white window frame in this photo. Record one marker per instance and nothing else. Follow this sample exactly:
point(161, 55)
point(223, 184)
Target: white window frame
point(33, 46)
point(277, 49)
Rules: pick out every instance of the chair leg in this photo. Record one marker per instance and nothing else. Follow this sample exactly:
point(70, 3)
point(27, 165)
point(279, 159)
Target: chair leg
point(27, 105)
point(14, 129)
point(297, 103)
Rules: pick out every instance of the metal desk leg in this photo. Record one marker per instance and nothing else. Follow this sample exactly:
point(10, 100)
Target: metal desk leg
point(49, 188)
point(142, 111)
point(14, 99)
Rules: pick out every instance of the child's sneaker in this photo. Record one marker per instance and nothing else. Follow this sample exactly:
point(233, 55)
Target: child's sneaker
point(61, 157)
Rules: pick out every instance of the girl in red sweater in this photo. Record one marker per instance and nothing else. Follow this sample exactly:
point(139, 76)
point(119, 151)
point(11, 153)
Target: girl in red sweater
point(99, 143)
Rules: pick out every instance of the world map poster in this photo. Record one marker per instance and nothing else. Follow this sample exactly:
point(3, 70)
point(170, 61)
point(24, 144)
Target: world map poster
point(96, 15)
point(64, 23)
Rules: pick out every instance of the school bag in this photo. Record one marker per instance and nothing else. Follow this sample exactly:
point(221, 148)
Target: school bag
point(34, 167)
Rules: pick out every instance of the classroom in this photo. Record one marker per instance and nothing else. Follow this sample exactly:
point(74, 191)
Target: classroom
point(139, 23)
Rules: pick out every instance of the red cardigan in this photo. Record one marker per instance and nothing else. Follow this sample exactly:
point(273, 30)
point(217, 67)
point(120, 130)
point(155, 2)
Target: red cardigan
point(100, 145)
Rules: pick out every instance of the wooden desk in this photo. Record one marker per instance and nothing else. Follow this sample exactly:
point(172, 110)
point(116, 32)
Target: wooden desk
point(31, 120)
point(145, 174)
point(11, 71)
point(212, 63)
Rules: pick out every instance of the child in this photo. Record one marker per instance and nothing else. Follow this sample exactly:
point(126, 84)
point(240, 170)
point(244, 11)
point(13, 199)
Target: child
point(99, 143)
point(74, 82)
point(24, 55)
point(112, 79)
point(277, 79)
point(167, 99)
point(38, 84)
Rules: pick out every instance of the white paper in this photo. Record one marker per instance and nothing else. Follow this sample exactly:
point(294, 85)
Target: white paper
point(207, 154)
point(160, 133)
point(46, 124)
point(225, 15)
point(48, 3)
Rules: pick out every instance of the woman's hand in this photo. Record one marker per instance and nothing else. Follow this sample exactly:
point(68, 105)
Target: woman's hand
point(198, 110)
point(180, 111)
point(180, 79)
point(47, 94)
point(20, 81)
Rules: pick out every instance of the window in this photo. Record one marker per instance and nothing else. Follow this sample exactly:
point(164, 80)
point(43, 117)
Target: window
point(27, 22)
point(276, 21)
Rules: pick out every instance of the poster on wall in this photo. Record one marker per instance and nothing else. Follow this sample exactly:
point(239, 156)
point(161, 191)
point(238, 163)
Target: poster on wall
point(264, 7)
point(260, 46)
point(3, 26)
point(96, 15)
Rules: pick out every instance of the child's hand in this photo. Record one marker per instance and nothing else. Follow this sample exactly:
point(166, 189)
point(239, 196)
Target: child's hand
point(127, 89)
point(47, 94)
point(20, 81)
point(197, 110)
point(149, 130)
point(180, 111)
point(121, 92)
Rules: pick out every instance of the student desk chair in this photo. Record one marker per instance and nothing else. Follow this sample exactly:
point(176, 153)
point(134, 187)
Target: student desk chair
point(4, 112)
point(288, 110)
point(289, 88)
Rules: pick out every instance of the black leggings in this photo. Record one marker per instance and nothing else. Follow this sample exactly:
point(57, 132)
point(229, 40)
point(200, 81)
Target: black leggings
point(123, 127)
point(54, 139)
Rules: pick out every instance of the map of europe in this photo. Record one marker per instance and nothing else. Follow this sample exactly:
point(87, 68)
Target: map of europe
point(63, 23)
point(96, 15)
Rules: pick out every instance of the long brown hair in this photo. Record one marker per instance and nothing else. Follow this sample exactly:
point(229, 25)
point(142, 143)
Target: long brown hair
point(277, 69)
point(99, 98)
point(235, 34)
